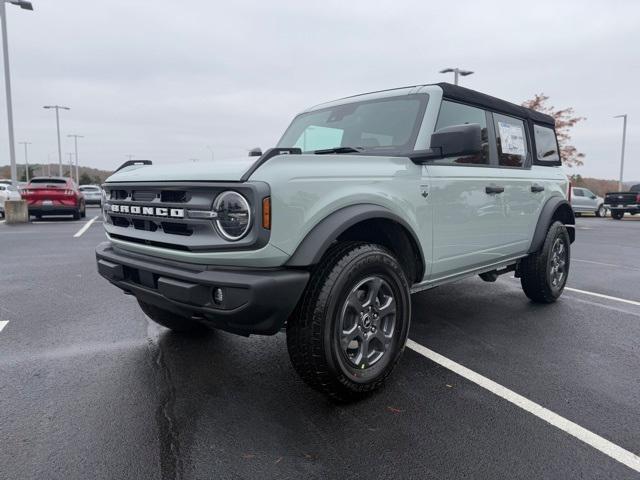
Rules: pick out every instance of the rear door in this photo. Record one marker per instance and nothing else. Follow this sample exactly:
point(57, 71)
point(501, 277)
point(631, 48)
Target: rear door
point(524, 193)
point(590, 200)
point(469, 212)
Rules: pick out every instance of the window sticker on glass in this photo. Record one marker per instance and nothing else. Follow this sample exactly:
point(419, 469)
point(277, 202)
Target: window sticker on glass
point(511, 139)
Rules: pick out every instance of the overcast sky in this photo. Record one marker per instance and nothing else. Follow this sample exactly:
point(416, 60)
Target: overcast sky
point(163, 80)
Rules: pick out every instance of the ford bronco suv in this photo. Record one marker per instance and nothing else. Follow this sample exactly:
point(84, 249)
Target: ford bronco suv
point(364, 201)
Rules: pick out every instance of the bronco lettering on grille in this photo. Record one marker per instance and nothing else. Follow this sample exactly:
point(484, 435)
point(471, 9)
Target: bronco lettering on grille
point(149, 211)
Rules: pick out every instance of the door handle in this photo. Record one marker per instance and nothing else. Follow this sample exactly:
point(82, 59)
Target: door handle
point(492, 189)
point(535, 188)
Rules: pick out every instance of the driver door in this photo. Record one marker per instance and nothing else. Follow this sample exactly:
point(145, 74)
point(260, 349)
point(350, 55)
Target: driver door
point(469, 215)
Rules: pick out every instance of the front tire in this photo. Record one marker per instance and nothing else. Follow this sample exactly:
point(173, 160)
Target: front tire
point(350, 329)
point(601, 211)
point(170, 320)
point(617, 214)
point(543, 275)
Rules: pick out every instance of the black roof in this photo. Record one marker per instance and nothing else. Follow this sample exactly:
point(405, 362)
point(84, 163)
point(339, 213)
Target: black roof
point(466, 95)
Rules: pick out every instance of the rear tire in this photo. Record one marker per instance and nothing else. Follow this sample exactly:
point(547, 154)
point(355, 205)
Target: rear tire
point(76, 215)
point(543, 275)
point(350, 328)
point(170, 320)
point(83, 212)
point(617, 214)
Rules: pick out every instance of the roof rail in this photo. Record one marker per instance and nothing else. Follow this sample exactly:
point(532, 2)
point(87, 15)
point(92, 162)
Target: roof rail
point(129, 163)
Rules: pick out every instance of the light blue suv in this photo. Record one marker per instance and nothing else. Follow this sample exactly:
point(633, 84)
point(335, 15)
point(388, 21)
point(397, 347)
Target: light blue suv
point(364, 201)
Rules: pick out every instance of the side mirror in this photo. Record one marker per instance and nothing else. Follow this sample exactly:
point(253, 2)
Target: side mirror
point(255, 152)
point(593, 197)
point(458, 140)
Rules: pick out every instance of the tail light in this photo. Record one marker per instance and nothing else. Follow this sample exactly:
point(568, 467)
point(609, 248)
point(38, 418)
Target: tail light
point(68, 192)
point(638, 198)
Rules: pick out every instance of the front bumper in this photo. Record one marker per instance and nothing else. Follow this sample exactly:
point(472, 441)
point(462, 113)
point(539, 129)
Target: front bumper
point(255, 301)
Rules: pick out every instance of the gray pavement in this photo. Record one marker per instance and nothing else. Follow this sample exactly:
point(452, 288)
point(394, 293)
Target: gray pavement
point(91, 389)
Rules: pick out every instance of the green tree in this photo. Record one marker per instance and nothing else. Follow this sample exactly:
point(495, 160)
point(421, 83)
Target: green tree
point(23, 176)
point(85, 178)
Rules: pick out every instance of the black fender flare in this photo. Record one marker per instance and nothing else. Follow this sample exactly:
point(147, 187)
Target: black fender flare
point(544, 221)
point(317, 241)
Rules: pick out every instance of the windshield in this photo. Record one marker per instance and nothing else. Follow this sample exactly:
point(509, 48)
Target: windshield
point(383, 124)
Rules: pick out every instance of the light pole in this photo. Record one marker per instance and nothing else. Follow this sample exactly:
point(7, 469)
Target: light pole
point(456, 73)
point(26, 160)
point(70, 165)
point(624, 138)
point(7, 80)
point(57, 109)
point(75, 141)
point(211, 150)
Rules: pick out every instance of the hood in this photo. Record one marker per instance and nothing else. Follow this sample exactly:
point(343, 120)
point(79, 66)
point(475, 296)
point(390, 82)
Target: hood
point(217, 170)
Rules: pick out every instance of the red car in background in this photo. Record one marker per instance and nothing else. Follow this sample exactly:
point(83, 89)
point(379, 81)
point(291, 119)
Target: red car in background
point(53, 196)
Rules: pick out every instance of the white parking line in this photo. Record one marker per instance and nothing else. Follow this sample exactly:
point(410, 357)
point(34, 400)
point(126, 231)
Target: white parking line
point(596, 263)
point(3, 323)
point(619, 454)
point(85, 227)
point(600, 295)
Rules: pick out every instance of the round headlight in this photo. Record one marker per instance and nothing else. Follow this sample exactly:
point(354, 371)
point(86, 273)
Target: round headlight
point(234, 215)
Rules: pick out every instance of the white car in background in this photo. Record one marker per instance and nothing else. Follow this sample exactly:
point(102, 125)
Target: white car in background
point(584, 200)
point(92, 194)
point(7, 192)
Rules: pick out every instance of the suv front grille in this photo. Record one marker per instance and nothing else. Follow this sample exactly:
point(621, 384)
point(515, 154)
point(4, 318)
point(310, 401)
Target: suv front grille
point(174, 196)
point(176, 229)
point(143, 195)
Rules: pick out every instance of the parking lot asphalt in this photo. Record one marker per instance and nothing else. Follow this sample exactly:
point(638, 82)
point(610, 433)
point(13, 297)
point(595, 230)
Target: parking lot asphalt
point(89, 388)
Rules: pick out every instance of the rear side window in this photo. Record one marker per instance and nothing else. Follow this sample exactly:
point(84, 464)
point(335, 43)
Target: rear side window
point(452, 113)
point(546, 145)
point(511, 141)
point(578, 192)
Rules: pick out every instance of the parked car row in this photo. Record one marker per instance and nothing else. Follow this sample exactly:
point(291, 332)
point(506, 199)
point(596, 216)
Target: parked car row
point(52, 196)
point(7, 192)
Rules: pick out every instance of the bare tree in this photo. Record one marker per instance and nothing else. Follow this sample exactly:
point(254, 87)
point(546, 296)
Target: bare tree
point(565, 121)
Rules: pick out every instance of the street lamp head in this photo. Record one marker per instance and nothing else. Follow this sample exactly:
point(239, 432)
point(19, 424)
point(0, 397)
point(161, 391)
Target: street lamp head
point(464, 73)
point(624, 115)
point(447, 70)
point(22, 4)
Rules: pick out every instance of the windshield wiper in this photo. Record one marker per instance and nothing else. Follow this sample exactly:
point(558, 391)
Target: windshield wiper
point(339, 150)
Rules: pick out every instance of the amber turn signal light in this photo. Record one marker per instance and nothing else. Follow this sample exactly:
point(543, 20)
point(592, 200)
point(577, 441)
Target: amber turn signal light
point(266, 213)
